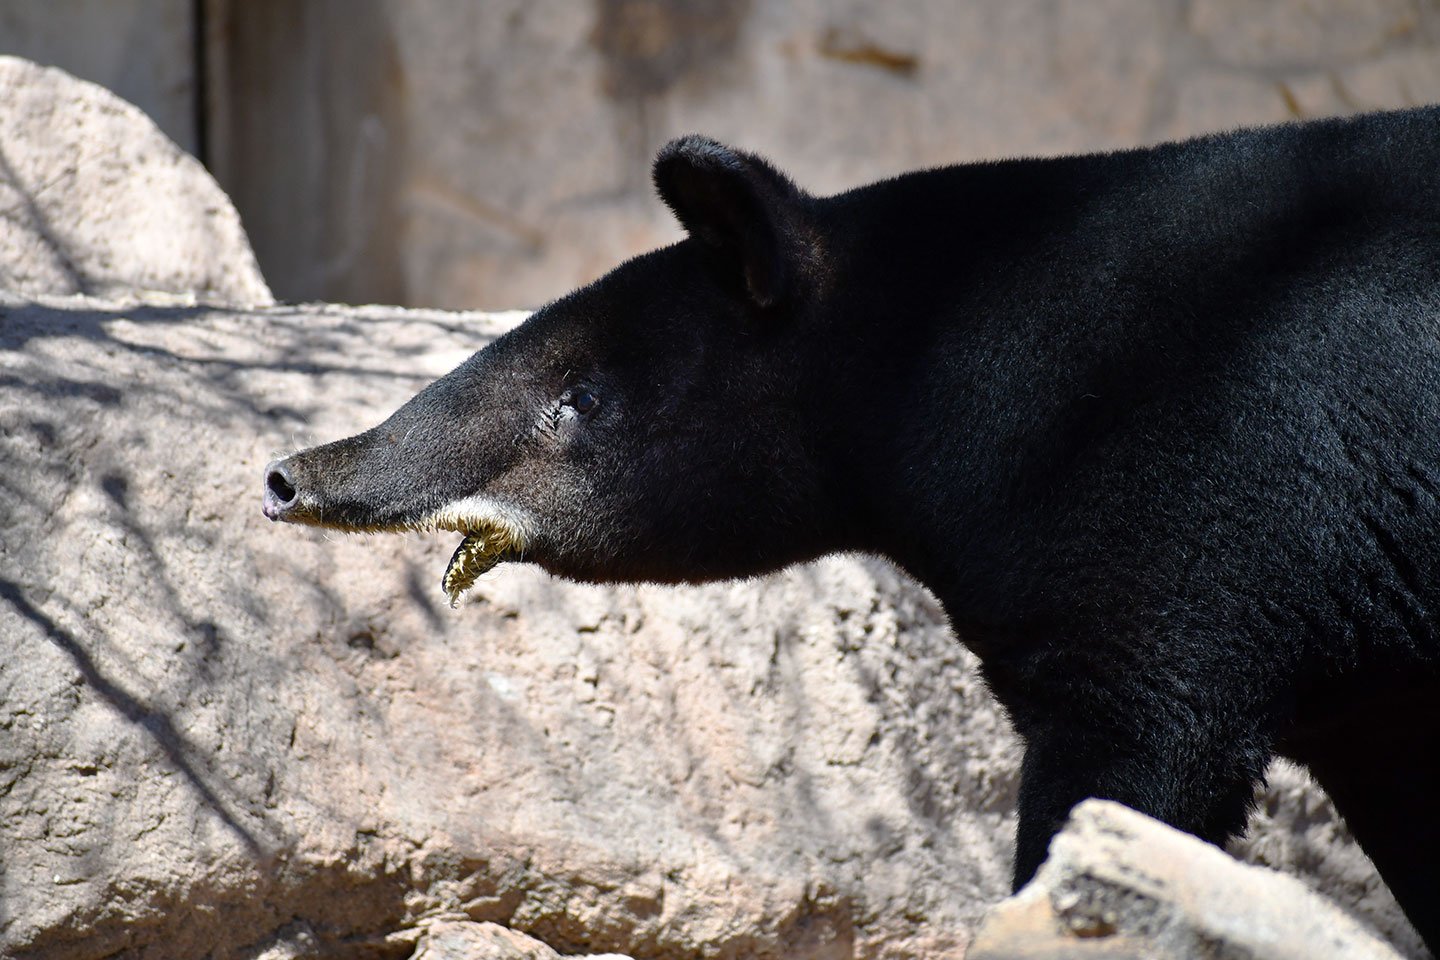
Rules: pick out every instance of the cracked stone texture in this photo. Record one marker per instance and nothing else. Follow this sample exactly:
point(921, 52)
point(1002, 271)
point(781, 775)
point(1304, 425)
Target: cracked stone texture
point(1120, 885)
point(497, 154)
point(95, 199)
point(228, 737)
point(216, 728)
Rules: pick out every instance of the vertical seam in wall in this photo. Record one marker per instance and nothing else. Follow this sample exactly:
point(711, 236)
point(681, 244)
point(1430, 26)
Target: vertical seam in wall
point(200, 88)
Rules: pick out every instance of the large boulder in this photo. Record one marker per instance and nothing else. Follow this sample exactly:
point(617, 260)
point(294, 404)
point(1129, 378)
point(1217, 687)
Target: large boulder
point(229, 738)
point(222, 733)
point(95, 199)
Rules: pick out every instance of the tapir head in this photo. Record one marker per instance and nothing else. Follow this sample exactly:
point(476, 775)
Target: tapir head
point(656, 425)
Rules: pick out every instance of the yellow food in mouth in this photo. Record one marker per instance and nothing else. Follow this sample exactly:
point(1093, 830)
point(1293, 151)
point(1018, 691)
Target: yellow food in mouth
point(478, 553)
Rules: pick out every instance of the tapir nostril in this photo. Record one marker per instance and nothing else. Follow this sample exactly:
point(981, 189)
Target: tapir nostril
point(280, 492)
point(281, 486)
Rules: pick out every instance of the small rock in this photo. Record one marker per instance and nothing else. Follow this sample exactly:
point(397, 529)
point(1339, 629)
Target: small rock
point(466, 940)
point(1118, 884)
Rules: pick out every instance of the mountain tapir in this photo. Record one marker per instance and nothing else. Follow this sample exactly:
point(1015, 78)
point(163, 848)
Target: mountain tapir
point(1160, 429)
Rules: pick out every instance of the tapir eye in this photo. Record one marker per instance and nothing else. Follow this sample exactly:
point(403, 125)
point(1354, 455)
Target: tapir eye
point(582, 400)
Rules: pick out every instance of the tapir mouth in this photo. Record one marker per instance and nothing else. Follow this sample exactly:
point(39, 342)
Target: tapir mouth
point(478, 553)
point(494, 531)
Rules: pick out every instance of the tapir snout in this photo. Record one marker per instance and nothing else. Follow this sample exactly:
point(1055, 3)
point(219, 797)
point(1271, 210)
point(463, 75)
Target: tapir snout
point(425, 468)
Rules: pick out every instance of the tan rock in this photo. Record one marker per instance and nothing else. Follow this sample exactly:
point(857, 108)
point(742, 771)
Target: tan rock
point(1118, 884)
point(95, 199)
point(219, 728)
point(460, 154)
point(466, 940)
point(1296, 829)
point(223, 734)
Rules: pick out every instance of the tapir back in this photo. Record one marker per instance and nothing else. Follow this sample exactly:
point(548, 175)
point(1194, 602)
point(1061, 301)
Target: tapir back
point(1220, 355)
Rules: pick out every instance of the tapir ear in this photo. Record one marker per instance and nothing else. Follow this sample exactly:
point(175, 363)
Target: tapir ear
point(740, 206)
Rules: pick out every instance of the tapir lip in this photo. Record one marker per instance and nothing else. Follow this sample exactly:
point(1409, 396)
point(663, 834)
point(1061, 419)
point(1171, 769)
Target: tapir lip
point(476, 513)
point(494, 531)
point(291, 496)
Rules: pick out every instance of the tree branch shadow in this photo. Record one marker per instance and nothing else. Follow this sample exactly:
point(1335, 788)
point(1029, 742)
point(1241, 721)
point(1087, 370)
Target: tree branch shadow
point(155, 723)
point(39, 223)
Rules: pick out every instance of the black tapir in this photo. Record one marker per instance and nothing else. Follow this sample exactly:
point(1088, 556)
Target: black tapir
point(1159, 428)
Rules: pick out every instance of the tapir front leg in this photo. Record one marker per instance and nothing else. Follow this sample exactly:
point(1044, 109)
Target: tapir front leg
point(1169, 746)
point(1050, 787)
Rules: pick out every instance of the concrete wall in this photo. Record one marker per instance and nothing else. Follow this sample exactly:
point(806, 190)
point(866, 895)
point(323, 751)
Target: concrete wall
point(495, 154)
point(308, 104)
point(144, 50)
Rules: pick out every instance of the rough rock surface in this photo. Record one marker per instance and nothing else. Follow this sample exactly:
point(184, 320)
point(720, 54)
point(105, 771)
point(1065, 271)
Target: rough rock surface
point(219, 736)
point(1120, 885)
point(467, 940)
point(95, 199)
point(226, 736)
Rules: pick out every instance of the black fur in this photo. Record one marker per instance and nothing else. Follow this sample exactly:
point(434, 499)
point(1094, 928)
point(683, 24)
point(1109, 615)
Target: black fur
point(1161, 429)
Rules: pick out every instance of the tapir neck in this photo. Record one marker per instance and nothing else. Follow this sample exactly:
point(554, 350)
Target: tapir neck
point(1015, 323)
point(957, 324)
